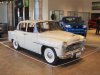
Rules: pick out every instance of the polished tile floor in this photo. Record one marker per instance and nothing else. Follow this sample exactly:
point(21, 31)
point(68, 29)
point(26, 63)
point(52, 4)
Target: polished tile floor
point(23, 62)
point(92, 38)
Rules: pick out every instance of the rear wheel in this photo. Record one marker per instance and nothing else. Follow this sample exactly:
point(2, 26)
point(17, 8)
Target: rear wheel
point(50, 56)
point(15, 44)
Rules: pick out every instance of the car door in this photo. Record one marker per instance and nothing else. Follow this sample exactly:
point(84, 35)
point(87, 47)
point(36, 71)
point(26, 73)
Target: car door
point(31, 38)
point(20, 34)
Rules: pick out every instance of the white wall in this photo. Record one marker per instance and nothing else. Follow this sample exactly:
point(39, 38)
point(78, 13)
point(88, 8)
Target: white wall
point(4, 13)
point(65, 5)
point(0, 14)
point(70, 5)
point(45, 10)
point(31, 9)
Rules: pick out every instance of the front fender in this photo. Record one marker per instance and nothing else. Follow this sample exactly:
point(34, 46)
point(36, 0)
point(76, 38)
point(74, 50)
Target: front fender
point(57, 45)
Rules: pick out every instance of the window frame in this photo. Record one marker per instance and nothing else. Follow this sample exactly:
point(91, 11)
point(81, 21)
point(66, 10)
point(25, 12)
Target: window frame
point(20, 25)
point(32, 26)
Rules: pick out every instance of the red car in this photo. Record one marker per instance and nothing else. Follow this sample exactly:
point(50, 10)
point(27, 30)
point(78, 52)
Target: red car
point(92, 23)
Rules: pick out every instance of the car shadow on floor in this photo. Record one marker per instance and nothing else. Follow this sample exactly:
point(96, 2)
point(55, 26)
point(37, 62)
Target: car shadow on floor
point(41, 58)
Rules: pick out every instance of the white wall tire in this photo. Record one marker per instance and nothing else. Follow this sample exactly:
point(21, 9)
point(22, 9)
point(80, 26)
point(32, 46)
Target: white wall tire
point(50, 56)
point(15, 44)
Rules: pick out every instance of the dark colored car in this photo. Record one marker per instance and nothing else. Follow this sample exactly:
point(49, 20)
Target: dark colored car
point(74, 24)
point(3, 28)
point(92, 23)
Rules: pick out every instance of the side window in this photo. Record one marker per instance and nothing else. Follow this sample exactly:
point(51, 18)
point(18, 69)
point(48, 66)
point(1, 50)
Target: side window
point(39, 26)
point(30, 27)
point(43, 26)
point(22, 27)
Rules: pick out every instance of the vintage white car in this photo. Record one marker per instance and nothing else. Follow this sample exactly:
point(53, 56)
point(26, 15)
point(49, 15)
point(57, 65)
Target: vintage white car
point(47, 38)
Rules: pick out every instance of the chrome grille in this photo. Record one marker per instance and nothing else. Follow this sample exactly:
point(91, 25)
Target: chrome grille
point(74, 46)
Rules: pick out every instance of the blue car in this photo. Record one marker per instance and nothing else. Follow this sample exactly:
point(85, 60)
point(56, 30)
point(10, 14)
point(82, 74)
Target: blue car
point(74, 24)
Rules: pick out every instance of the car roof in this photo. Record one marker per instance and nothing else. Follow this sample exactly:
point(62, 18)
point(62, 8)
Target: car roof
point(35, 21)
point(71, 17)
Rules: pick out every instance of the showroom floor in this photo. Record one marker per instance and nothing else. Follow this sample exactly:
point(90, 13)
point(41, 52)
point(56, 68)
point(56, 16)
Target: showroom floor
point(23, 62)
point(92, 38)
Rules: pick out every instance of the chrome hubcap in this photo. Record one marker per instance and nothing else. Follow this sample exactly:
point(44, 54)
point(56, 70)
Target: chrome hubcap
point(49, 55)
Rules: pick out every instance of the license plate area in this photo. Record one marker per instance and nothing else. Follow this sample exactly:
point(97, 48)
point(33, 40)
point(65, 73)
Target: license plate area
point(78, 54)
point(74, 54)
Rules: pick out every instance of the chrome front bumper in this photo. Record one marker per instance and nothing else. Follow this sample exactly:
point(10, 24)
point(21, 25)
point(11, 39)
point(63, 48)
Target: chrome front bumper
point(75, 53)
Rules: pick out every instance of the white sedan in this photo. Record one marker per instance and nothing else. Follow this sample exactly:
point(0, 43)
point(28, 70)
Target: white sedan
point(47, 38)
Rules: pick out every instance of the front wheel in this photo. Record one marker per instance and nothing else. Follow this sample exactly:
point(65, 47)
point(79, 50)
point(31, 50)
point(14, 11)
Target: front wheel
point(50, 56)
point(15, 44)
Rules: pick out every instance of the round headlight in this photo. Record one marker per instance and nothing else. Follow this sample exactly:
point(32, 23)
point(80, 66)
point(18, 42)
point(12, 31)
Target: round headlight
point(84, 26)
point(68, 26)
point(64, 46)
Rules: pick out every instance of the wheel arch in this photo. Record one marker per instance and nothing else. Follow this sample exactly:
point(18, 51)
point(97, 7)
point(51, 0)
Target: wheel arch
point(44, 47)
point(51, 60)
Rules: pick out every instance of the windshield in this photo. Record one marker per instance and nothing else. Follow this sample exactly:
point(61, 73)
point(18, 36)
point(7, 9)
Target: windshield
point(72, 19)
point(48, 26)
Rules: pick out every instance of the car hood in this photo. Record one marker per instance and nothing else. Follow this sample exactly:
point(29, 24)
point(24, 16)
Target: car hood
point(62, 36)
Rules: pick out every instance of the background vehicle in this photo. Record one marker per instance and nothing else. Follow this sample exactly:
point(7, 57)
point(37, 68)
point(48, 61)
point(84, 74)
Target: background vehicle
point(92, 23)
point(74, 24)
point(0, 32)
point(2, 29)
point(46, 38)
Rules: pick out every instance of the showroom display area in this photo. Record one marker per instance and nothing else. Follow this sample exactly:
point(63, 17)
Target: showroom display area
point(47, 39)
point(21, 63)
point(25, 62)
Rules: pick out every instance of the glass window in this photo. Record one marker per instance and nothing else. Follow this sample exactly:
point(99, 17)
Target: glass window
point(72, 19)
point(47, 26)
point(30, 27)
point(22, 27)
